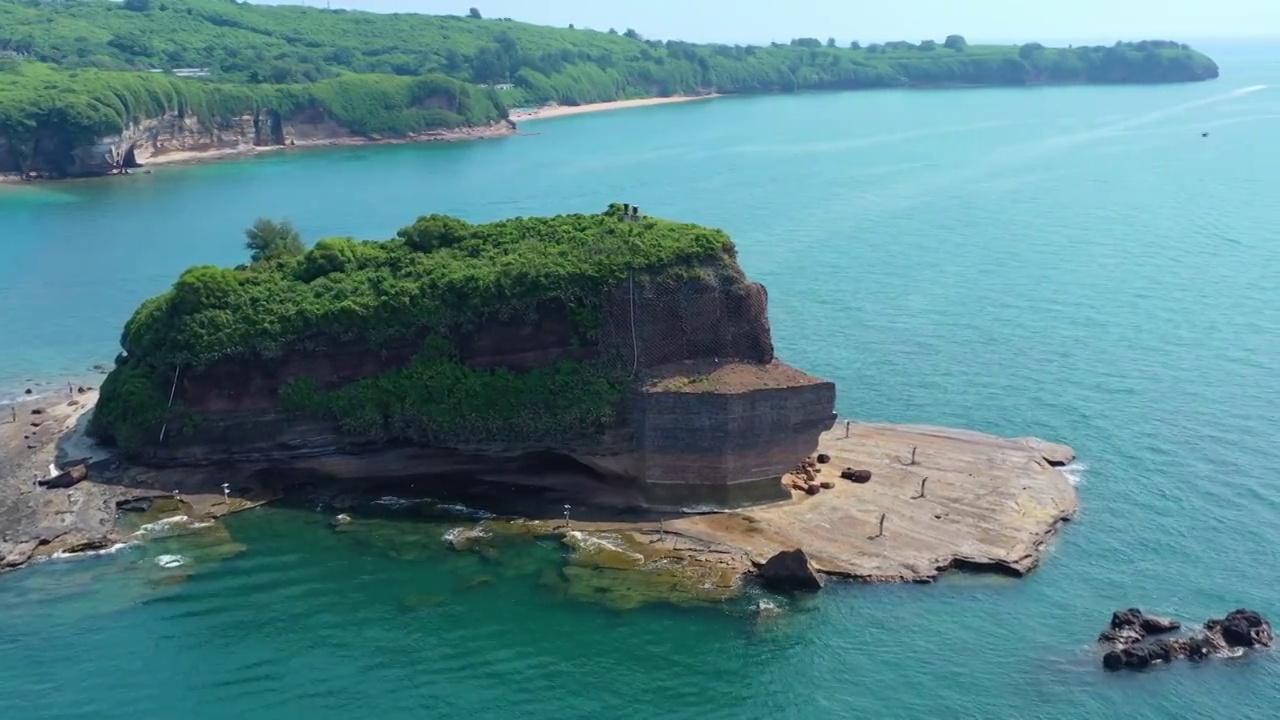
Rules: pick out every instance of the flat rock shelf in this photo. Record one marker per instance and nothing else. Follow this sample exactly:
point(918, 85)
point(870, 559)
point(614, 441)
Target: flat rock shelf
point(989, 504)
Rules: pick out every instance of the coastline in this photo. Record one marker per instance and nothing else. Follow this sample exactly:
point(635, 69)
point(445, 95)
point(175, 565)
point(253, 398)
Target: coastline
point(547, 112)
point(501, 129)
point(993, 505)
point(497, 130)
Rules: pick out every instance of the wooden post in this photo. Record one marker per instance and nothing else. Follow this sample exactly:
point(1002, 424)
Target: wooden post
point(921, 494)
point(880, 533)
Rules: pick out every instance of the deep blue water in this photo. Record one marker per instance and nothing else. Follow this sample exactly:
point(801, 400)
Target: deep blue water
point(1075, 263)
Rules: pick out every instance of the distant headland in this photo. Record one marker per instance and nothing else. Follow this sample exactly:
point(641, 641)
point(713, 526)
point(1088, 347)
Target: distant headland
point(94, 87)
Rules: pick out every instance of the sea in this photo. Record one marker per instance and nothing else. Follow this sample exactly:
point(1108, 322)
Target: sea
point(1081, 264)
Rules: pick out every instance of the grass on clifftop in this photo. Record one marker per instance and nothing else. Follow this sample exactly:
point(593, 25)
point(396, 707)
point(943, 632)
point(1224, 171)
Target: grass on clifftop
point(438, 277)
point(439, 274)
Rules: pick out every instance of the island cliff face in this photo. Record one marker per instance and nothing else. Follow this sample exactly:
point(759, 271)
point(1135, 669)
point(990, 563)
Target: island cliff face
point(704, 414)
point(51, 153)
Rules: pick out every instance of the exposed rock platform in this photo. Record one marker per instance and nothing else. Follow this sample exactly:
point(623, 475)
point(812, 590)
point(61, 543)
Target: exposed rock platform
point(990, 504)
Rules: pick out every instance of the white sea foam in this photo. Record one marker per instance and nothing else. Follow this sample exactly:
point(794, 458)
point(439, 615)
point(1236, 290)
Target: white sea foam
point(701, 509)
point(1075, 473)
point(170, 561)
point(454, 535)
point(62, 555)
point(163, 527)
point(463, 510)
point(606, 542)
point(399, 502)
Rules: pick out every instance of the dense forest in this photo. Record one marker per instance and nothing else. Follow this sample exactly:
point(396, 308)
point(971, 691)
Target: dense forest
point(436, 280)
point(232, 56)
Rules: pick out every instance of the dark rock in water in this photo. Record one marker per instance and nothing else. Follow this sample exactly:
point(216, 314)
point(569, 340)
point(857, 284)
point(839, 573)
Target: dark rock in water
point(1121, 637)
point(858, 476)
point(1124, 639)
point(789, 571)
point(1241, 629)
point(824, 458)
point(37, 411)
point(28, 391)
point(1158, 625)
point(1113, 660)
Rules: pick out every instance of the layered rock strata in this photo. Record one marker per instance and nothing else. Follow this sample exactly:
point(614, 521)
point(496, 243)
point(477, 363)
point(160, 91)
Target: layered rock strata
point(713, 419)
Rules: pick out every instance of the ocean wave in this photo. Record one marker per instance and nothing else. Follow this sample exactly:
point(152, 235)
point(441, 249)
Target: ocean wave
point(463, 510)
point(398, 502)
point(171, 561)
point(63, 555)
point(1075, 473)
point(165, 526)
point(601, 542)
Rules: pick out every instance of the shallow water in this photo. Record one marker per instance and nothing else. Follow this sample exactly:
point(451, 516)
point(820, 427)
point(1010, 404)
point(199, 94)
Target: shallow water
point(1074, 263)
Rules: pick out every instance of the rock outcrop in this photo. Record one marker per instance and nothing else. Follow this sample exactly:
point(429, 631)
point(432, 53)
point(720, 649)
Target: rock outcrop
point(712, 419)
point(1127, 646)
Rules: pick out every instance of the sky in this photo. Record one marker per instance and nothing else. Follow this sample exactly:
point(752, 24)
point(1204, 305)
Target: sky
point(762, 21)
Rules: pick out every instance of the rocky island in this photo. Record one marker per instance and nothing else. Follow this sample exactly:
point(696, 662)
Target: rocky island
point(95, 87)
point(616, 364)
point(630, 346)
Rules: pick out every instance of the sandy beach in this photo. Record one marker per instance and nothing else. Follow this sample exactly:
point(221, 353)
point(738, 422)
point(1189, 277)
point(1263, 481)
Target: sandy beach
point(554, 111)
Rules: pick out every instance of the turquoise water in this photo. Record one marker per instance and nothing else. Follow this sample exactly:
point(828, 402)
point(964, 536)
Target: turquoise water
point(1075, 263)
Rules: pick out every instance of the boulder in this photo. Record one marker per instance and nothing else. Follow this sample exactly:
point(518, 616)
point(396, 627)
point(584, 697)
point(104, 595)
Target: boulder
point(67, 478)
point(790, 571)
point(826, 484)
point(37, 411)
point(858, 476)
point(27, 391)
point(1241, 629)
point(824, 458)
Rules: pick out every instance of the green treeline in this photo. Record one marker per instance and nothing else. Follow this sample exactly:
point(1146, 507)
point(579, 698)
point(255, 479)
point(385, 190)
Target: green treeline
point(438, 278)
point(82, 105)
point(274, 47)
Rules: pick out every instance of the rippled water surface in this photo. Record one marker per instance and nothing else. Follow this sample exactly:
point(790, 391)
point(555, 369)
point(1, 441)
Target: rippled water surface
point(1075, 263)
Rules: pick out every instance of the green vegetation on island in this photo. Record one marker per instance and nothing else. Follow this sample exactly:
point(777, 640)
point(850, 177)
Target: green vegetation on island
point(436, 279)
point(375, 72)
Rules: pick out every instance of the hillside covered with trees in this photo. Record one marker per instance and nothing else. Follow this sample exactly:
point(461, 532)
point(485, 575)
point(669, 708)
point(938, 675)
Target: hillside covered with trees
point(100, 64)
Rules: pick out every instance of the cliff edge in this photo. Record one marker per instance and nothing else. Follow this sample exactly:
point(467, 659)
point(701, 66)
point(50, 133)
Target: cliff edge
point(631, 345)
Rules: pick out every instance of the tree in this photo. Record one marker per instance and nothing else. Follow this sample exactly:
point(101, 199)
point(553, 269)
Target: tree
point(855, 45)
point(928, 45)
point(612, 31)
point(271, 240)
point(474, 13)
point(137, 5)
point(1028, 51)
point(571, 27)
point(831, 42)
point(956, 42)
point(632, 34)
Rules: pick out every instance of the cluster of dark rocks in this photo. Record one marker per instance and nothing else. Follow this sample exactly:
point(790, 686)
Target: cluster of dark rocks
point(1128, 642)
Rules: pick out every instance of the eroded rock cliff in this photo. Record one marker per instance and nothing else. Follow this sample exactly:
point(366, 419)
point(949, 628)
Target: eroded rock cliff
point(52, 153)
point(704, 414)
